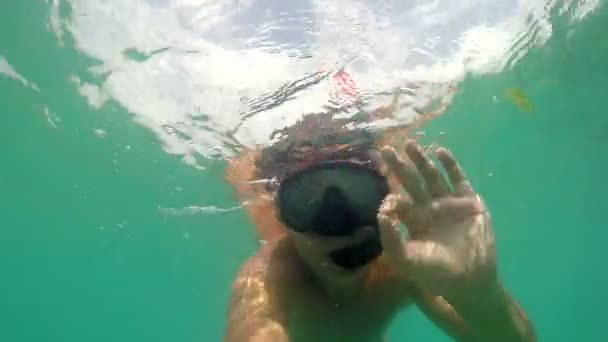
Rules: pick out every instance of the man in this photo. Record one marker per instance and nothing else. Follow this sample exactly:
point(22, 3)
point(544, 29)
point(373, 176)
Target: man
point(337, 267)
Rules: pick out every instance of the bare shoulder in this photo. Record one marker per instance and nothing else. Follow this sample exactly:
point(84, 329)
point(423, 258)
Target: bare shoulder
point(256, 304)
point(272, 256)
point(273, 268)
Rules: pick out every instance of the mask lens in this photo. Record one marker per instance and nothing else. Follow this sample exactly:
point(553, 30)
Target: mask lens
point(331, 198)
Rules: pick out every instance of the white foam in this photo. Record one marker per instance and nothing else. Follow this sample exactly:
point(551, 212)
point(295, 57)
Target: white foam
point(193, 210)
point(55, 22)
point(7, 70)
point(211, 56)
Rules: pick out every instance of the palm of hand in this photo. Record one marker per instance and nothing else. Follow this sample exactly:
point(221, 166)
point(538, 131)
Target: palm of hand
point(449, 247)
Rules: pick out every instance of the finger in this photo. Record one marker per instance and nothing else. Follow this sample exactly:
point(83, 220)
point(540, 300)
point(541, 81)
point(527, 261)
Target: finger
point(455, 209)
point(407, 174)
point(401, 206)
point(461, 184)
point(396, 205)
point(435, 182)
point(417, 219)
point(390, 237)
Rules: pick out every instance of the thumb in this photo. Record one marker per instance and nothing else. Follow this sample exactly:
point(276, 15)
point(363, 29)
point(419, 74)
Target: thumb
point(390, 237)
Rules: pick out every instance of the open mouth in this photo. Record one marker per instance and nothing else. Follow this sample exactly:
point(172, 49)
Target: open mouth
point(358, 255)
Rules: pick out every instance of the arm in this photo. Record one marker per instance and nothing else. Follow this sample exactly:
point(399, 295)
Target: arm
point(495, 316)
point(490, 319)
point(254, 313)
point(450, 248)
point(440, 312)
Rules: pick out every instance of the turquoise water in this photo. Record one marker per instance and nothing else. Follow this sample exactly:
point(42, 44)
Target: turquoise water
point(89, 253)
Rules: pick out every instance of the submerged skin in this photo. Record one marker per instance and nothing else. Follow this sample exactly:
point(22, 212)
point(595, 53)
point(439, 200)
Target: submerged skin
point(290, 291)
point(276, 297)
point(289, 305)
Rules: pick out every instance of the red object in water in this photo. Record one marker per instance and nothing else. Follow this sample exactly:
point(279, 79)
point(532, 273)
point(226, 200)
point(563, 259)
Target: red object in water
point(345, 83)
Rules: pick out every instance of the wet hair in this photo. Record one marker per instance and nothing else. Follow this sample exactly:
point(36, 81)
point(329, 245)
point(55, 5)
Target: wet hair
point(314, 138)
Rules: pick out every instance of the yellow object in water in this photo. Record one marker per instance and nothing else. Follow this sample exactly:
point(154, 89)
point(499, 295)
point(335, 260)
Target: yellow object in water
point(520, 99)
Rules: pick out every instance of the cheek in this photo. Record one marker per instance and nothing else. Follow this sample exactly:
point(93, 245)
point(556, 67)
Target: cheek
point(311, 248)
point(311, 254)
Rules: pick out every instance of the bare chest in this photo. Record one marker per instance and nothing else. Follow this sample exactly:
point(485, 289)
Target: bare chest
point(363, 319)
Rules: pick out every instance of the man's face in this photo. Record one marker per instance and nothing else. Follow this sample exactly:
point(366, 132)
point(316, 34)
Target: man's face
point(327, 188)
point(330, 209)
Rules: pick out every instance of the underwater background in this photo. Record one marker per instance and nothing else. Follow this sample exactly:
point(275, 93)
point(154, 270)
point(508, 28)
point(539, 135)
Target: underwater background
point(118, 117)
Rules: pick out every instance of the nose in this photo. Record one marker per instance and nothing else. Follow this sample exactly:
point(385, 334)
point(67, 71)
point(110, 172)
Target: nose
point(335, 217)
point(333, 198)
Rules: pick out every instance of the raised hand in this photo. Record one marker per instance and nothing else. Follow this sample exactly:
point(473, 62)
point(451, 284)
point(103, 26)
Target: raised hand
point(448, 246)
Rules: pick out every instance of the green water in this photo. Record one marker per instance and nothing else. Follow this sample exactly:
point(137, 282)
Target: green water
point(87, 255)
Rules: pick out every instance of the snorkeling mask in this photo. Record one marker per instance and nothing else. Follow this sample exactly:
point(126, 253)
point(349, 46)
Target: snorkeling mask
point(333, 198)
point(327, 182)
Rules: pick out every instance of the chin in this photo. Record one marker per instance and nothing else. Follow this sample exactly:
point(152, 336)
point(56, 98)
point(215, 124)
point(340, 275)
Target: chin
point(351, 274)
